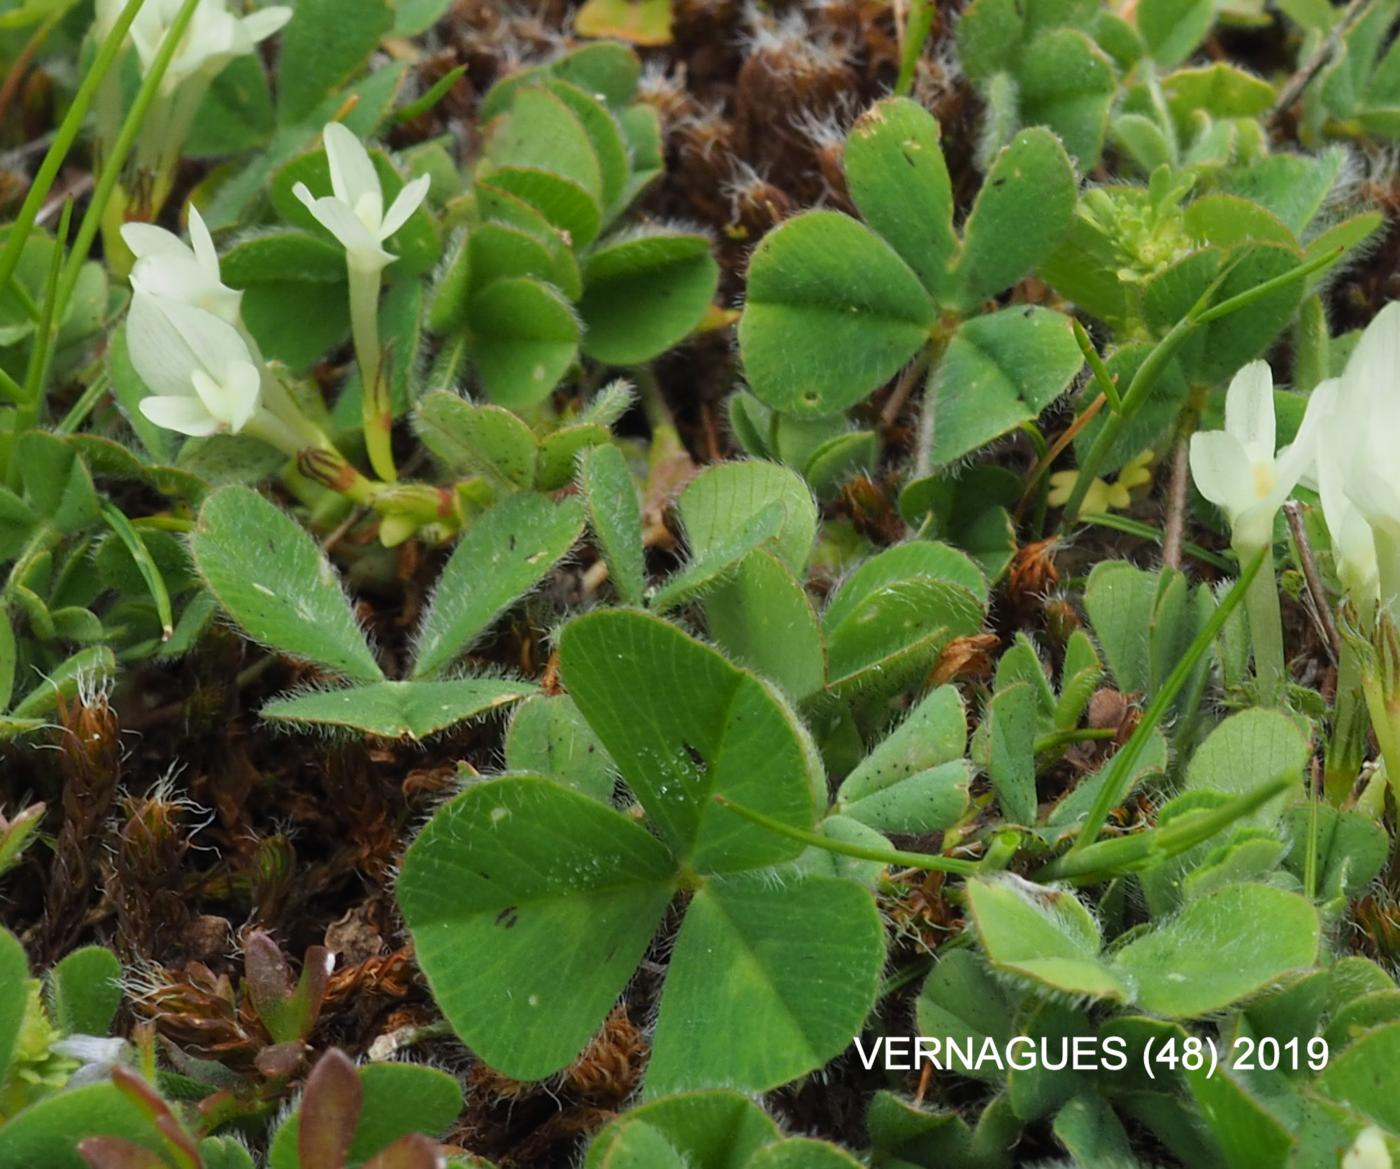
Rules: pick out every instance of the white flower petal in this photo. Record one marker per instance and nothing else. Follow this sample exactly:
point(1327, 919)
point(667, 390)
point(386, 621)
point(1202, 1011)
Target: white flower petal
point(215, 343)
point(146, 38)
point(258, 26)
point(161, 356)
point(185, 415)
point(243, 390)
point(1354, 549)
point(1249, 410)
point(1319, 425)
point(304, 195)
point(1365, 423)
point(89, 1073)
point(369, 210)
point(1295, 460)
point(202, 244)
point(1376, 499)
point(177, 277)
point(354, 236)
point(209, 43)
point(105, 17)
point(1222, 471)
point(1375, 362)
point(1325, 427)
point(405, 205)
point(182, 278)
point(146, 239)
point(352, 173)
point(1353, 546)
point(168, 267)
point(214, 37)
point(211, 395)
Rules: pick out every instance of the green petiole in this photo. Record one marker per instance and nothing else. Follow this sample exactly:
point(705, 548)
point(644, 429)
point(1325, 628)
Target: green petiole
point(1126, 854)
point(886, 856)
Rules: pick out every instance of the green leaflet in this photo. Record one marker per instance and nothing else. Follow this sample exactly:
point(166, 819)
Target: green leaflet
point(616, 518)
point(85, 991)
point(291, 600)
point(683, 724)
point(563, 892)
point(506, 552)
point(712, 1129)
point(832, 312)
point(899, 182)
point(548, 735)
point(766, 981)
point(1220, 949)
point(393, 710)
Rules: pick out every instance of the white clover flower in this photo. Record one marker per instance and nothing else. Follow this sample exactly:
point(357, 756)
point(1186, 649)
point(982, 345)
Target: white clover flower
point(167, 266)
point(355, 213)
point(1366, 416)
point(213, 38)
point(202, 377)
point(1355, 419)
point(1237, 468)
point(1353, 545)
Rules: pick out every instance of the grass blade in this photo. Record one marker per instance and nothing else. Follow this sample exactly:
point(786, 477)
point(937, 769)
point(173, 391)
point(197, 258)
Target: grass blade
point(107, 54)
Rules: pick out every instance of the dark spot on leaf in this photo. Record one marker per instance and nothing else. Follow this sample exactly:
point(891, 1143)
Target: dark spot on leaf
point(508, 917)
point(998, 182)
point(695, 756)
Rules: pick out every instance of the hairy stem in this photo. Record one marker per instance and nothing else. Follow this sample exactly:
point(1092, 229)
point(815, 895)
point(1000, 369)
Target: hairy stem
point(1265, 627)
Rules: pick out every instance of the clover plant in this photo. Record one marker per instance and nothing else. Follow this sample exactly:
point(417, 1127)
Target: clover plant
point(568, 892)
point(836, 306)
point(544, 270)
point(300, 610)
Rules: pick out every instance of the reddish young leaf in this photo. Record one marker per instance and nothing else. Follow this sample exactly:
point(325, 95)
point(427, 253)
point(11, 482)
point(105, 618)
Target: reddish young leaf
point(115, 1153)
point(267, 978)
point(330, 1108)
point(413, 1151)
